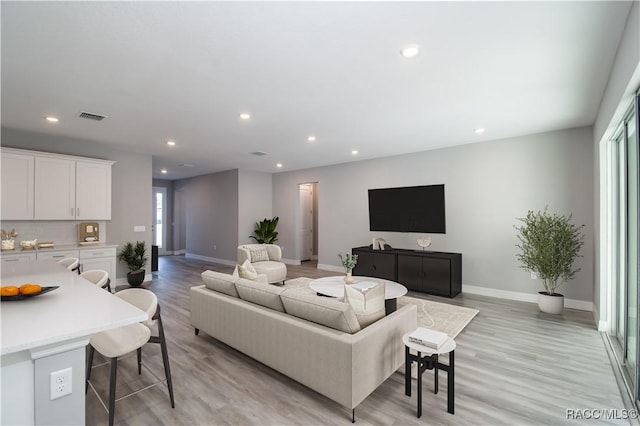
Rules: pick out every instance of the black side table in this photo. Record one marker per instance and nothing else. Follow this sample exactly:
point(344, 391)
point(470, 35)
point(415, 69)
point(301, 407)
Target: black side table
point(429, 361)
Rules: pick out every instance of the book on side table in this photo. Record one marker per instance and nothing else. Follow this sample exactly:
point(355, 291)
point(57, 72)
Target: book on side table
point(429, 338)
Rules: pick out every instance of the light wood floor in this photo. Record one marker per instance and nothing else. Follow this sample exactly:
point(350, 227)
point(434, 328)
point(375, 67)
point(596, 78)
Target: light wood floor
point(514, 366)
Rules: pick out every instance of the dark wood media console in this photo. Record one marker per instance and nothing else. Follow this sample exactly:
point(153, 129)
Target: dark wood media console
point(430, 272)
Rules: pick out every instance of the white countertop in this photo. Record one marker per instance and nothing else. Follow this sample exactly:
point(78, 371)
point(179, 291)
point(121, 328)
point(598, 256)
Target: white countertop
point(58, 247)
point(78, 308)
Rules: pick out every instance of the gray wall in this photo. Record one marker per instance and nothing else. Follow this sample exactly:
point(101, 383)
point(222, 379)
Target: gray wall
point(209, 206)
point(254, 203)
point(488, 186)
point(131, 181)
point(168, 226)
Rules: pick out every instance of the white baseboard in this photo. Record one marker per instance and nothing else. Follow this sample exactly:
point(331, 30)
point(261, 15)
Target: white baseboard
point(178, 252)
point(290, 261)
point(330, 268)
point(210, 259)
point(581, 305)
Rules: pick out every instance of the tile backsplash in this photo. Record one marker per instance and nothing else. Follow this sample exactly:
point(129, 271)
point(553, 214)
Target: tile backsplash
point(60, 232)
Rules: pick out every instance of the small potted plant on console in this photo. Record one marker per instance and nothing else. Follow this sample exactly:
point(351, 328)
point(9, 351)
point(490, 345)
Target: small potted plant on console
point(349, 262)
point(135, 256)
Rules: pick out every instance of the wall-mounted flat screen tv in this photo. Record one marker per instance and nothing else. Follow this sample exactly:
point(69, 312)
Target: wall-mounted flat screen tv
point(408, 209)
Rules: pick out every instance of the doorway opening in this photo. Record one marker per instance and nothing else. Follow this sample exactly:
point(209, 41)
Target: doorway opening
point(159, 208)
point(307, 230)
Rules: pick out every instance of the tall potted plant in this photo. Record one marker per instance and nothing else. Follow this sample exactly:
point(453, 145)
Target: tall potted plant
point(549, 245)
point(135, 256)
point(265, 231)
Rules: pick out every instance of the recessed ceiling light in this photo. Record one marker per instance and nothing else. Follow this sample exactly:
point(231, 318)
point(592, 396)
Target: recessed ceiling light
point(279, 165)
point(479, 130)
point(311, 138)
point(354, 152)
point(52, 119)
point(245, 116)
point(187, 165)
point(171, 143)
point(410, 51)
point(163, 171)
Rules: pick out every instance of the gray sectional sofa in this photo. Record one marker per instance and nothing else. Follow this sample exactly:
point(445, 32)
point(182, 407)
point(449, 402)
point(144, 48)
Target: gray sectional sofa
point(314, 340)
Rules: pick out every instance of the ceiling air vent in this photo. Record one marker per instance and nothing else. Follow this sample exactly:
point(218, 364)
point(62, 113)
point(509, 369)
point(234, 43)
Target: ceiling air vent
point(259, 153)
point(91, 116)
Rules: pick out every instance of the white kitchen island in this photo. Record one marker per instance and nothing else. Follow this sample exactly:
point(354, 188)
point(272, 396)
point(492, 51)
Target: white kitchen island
point(48, 333)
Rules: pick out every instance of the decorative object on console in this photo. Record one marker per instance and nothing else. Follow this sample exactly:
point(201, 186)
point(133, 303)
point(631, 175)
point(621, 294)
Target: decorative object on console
point(379, 244)
point(424, 241)
point(29, 244)
point(549, 245)
point(88, 233)
point(135, 256)
point(349, 262)
point(266, 231)
point(8, 239)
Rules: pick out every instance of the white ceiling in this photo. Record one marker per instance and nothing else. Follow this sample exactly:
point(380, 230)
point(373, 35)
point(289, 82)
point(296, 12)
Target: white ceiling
point(185, 70)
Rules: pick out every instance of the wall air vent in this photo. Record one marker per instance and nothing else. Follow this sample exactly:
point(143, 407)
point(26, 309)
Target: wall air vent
point(259, 153)
point(91, 116)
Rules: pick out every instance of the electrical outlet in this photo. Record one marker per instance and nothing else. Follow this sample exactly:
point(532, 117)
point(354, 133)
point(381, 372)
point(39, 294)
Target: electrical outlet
point(215, 247)
point(60, 383)
point(534, 276)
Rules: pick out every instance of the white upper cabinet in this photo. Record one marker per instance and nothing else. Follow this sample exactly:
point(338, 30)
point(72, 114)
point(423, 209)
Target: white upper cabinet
point(54, 187)
point(55, 193)
point(93, 190)
point(17, 186)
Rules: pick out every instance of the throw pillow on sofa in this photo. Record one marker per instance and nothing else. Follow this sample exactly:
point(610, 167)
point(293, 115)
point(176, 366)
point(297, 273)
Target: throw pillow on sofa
point(262, 294)
point(367, 301)
point(220, 282)
point(246, 270)
point(325, 311)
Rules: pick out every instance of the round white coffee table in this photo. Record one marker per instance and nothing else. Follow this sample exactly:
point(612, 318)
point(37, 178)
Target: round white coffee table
point(334, 287)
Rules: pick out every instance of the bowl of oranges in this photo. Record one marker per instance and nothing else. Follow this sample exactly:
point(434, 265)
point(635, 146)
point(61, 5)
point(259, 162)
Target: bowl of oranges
point(25, 291)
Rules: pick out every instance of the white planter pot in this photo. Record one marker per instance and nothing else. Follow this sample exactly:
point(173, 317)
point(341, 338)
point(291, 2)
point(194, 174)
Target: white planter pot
point(550, 304)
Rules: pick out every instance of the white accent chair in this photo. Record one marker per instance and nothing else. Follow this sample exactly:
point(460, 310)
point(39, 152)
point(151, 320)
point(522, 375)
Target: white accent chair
point(269, 264)
point(98, 277)
point(123, 340)
point(71, 263)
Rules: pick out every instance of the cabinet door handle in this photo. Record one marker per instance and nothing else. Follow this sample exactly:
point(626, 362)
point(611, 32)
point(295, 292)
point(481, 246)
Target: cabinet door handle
point(57, 255)
point(78, 211)
point(71, 211)
point(11, 260)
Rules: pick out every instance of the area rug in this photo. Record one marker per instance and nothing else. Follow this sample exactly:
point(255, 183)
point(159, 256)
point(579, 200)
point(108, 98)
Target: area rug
point(437, 316)
point(442, 317)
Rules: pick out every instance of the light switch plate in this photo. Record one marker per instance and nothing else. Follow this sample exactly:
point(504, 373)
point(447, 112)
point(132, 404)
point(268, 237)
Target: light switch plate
point(139, 228)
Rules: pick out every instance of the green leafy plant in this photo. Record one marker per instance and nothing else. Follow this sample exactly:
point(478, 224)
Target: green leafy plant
point(265, 232)
point(134, 255)
point(549, 245)
point(348, 260)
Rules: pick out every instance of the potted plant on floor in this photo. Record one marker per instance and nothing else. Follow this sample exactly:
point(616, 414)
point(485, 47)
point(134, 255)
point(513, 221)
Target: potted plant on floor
point(549, 245)
point(135, 256)
point(266, 231)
